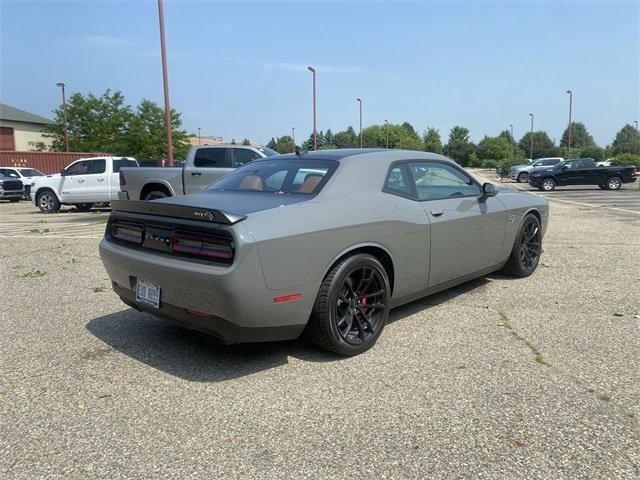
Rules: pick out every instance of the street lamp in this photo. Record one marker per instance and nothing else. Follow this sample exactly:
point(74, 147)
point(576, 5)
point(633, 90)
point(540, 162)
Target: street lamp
point(531, 150)
point(511, 141)
point(315, 132)
point(199, 137)
point(360, 102)
point(386, 127)
point(165, 82)
point(570, 107)
point(293, 138)
point(64, 114)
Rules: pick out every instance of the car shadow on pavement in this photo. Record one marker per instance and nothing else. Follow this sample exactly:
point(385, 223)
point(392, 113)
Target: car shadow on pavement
point(191, 355)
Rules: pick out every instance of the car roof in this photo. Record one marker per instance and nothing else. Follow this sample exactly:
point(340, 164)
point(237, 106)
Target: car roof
point(350, 154)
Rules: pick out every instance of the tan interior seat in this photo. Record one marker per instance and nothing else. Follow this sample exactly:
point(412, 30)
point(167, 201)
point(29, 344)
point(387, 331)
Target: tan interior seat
point(251, 182)
point(310, 183)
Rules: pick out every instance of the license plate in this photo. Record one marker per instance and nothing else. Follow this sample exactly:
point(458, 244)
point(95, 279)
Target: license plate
point(148, 293)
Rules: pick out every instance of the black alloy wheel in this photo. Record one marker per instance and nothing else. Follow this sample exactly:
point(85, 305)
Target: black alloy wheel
point(360, 306)
point(527, 248)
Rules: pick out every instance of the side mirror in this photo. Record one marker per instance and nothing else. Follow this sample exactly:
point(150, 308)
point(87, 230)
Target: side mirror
point(63, 172)
point(488, 190)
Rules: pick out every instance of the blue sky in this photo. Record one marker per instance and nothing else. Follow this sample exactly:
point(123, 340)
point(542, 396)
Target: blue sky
point(238, 69)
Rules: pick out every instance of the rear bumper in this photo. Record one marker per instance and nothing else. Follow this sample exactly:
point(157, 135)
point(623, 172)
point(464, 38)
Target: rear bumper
point(239, 304)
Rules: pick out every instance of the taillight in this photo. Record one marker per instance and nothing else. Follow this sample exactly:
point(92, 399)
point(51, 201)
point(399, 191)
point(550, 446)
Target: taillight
point(127, 232)
point(206, 246)
point(122, 181)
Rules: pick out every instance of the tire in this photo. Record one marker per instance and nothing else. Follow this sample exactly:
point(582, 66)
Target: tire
point(527, 248)
point(48, 202)
point(548, 185)
point(613, 183)
point(83, 207)
point(337, 321)
point(603, 187)
point(523, 177)
point(156, 194)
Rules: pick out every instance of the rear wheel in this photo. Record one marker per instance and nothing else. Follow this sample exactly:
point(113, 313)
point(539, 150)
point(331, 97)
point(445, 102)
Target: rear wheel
point(523, 177)
point(48, 202)
point(352, 306)
point(83, 207)
point(614, 183)
point(155, 195)
point(527, 248)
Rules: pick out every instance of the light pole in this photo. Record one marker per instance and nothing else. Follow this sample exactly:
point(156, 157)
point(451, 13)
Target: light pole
point(637, 141)
point(315, 132)
point(199, 137)
point(64, 115)
point(386, 127)
point(511, 141)
point(531, 150)
point(359, 100)
point(165, 82)
point(293, 138)
point(570, 107)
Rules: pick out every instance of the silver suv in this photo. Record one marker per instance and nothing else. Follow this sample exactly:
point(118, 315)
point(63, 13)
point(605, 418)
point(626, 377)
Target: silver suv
point(520, 173)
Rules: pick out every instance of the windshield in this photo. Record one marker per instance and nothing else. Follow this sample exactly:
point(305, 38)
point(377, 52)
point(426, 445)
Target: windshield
point(30, 172)
point(268, 152)
point(278, 176)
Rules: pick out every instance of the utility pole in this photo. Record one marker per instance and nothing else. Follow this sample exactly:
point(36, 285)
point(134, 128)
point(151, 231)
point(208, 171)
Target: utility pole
point(165, 82)
point(359, 100)
point(199, 137)
point(570, 107)
point(531, 150)
point(512, 140)
point(64, 115)
point(315, 131)
point(293, 138)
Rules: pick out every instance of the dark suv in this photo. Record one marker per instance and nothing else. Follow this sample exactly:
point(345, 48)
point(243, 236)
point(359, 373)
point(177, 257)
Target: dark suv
point(11, 189)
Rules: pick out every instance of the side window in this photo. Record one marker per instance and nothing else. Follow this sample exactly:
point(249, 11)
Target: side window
point(210, 158)
point(8, 172)
point(242, 156)
point(539, 163)
point(571, 165)
point(551, 162)
point(78, 168)
point(121, 163)
point(398, 181)
point(439, 180)
point(97, 166)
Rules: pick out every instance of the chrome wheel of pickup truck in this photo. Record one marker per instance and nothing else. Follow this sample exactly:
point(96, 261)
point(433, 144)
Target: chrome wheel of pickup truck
point(47, 202)
point(614, 183)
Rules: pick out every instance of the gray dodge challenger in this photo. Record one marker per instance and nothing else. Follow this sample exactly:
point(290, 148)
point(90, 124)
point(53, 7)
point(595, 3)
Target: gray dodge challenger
point(324, 242)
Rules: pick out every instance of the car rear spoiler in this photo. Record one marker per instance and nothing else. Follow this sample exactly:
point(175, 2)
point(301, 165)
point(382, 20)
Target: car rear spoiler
point(175, 211)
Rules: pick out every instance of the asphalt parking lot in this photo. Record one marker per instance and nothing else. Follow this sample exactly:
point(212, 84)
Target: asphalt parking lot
point(499, 378)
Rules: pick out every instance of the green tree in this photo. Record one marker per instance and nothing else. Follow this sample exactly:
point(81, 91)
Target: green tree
point(431, 141)
point(145, 136)
point(282, 144)
point(459, 147)
point(246, 142)
point(593, 151)
point(272, 144)
point(627, 141)
point(346, 139)
point(375, 136)
point(95, 124)
point(494, 148)
point(580, 138)
point(409, 128)
point(543, 146)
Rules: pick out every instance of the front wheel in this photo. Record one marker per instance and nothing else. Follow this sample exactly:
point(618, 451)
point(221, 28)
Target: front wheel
point(614, 183)
point(523, 177)
point(527, 248)
point(548, 184)
point(352, 306)
point(47, 202)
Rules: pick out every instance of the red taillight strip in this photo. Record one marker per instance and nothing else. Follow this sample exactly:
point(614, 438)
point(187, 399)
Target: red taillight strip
point(202, 245)
point(126, 232)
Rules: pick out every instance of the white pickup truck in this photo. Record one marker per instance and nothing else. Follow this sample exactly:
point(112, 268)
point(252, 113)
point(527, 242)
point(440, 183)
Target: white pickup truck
point(203, 166)
point(82, 183)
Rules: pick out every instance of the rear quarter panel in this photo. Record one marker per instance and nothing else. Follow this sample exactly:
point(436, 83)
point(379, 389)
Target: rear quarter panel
point(137, 178)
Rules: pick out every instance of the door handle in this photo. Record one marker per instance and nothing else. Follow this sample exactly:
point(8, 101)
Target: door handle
point(437, 213)
point(101, 179)
point(196, 174)
point(80, 180)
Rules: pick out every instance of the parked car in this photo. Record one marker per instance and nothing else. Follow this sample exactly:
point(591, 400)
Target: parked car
point(11, 189)
point(604, 163)
point(82, 183)
point(520, 173)
point(26, 176)
point(326, 241)
point(203, 166)
point(582, 171)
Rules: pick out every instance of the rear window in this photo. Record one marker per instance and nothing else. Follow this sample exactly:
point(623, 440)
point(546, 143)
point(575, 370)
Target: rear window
point(123, 162)
point(279, 176)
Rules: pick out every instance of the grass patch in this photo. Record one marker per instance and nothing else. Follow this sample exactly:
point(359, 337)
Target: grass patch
point(33, 274)
point(537, 355)
point(605, 398)
point(98, 289)
point(37, 231)
point(73, 260)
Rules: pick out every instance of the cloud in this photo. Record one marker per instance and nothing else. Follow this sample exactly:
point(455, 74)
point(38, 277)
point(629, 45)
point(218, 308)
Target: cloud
point(300, 67)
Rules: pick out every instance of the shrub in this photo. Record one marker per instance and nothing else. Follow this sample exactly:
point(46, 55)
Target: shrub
point(626, 159)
